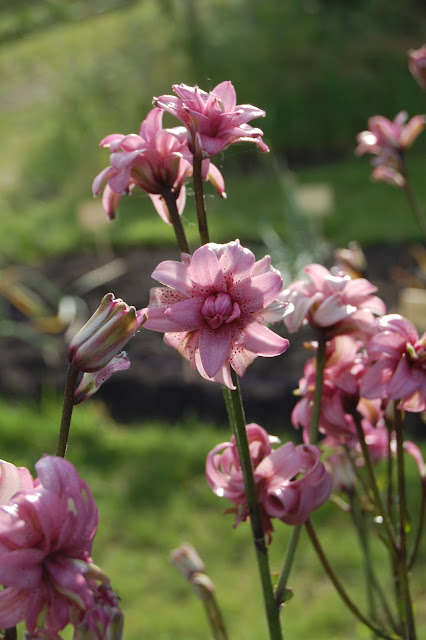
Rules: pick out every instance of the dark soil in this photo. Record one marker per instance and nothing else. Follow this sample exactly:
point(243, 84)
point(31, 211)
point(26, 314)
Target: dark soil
point(159, 383)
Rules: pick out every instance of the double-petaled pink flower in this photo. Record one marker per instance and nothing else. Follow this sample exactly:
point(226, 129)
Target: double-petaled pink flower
point(157, 160)
point(397, 364)
point(332, 302)
point(46, 536)
point(291, 481)
point(387, 140)
point(212, 309)
point(213, 120)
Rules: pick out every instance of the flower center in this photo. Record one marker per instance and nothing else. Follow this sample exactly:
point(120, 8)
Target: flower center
point(218, 309)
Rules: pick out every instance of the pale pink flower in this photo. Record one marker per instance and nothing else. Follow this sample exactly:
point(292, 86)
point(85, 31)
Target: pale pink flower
point(332, 301)
point(46, 536)
point(291, 481)
point(156, 160)
point(104, 334)
point(213, 120)
point(417, 65)
point(212, 309)
point(387, 140)
point(12, 480)
point(397, 364)
point(90, 383)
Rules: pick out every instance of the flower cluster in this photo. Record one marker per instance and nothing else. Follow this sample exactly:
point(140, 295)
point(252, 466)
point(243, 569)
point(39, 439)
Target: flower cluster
point(213, 309)
point(47, 529)
point(291, 481)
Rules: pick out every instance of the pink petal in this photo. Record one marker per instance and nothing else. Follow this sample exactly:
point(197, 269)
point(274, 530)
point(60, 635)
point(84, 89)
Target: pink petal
point(175, 275)
point(257, 293)
point(226, 93)
point(214, 346)
point(260, 340)
point(186, 315)
point(13, 606)
point(205, 271)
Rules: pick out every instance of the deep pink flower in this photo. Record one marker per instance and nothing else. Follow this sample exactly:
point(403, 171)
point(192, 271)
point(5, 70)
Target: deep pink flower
point(104, 334)
point(328, 301)
point(156, 160)
point(417, 64)
point(291, 481)
point(397, 364)
point(213, 120)
point(212, 309)
point(46, 536)
point(387, 140)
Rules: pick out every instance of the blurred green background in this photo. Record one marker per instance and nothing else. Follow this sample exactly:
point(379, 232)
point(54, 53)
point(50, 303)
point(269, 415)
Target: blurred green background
point(72, 72)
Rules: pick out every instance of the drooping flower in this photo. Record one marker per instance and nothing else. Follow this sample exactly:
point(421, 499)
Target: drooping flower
point(331, 301)
point(291, 481)
point(387, 140)
point(46, 536)
point(211, 309)
point(213, 120)
point(104, 334)
point(90, 383)
point(417, 65)
point(397, 364)
point(156, 160)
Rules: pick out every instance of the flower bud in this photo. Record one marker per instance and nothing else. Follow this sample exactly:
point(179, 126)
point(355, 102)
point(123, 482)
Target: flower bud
point(417, 65)
point(104, 334)
point(187, 561)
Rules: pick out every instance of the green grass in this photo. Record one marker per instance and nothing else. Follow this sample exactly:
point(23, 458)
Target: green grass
point(152, 496)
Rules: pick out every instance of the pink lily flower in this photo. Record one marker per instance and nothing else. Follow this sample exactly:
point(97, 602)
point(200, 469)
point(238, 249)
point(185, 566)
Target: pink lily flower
point(103, 621)
point(213, 120)
point(104, 334)
point(331, 301)
point(417, 65)
point(291, 481)
point(388, 140)
point(211, 309)
point(46, 536)
point(156, 160)
point(398, 364)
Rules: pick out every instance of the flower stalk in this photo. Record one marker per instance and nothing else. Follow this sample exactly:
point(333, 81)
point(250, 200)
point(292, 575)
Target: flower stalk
point(67, 409)
point(237, 422)
point(199, 199)
point(170, 200)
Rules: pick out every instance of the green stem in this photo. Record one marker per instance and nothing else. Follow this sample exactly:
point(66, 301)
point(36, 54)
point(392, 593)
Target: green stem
point(407, 608)
point(199, 200)
point(214, 616)
point(67, 408)
point(420, 523)
point(359, 522)
point(237, 422)
point(382, 633)
point(412, 200)
point(319, 379)
point(373, 485)
point(170, 200)
point(315, 418)
point(281, 588)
